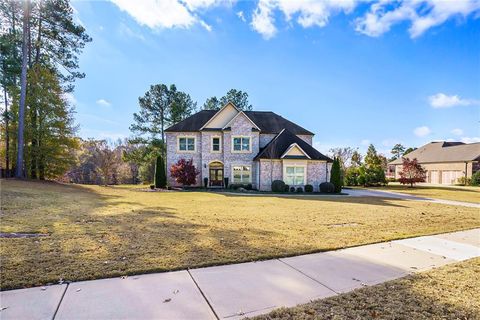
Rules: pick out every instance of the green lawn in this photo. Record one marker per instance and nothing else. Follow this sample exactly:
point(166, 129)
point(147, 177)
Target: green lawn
point(93, 231)
point(449, 292)
point(457, 193)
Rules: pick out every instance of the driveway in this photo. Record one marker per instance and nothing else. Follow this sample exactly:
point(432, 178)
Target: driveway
point(403, 196)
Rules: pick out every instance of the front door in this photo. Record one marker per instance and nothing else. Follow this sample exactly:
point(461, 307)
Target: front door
point(216, 174)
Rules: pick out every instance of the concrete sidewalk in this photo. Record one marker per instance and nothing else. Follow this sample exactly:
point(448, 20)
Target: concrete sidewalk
point(239, 290)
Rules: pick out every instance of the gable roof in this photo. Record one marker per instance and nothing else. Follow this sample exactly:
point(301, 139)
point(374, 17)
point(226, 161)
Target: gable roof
point(193, 123)
point(266, 121)
point(219, 111)
point(292, 146)
point(241, 113)
point(277, 147)
point(444, 152)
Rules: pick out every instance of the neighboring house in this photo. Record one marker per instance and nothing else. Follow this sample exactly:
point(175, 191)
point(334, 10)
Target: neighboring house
point(247, 147)
point(445, 162)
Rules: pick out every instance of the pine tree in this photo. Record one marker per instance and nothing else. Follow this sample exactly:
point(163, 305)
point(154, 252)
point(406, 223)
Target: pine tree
point(51, 40)
point(335, 176)
point(160, 177)
point(237, 97)
point(160, 107)
point(55, 130)
point(372, 159)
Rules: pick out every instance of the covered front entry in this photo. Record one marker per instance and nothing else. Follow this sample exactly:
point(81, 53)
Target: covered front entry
point(216, 174)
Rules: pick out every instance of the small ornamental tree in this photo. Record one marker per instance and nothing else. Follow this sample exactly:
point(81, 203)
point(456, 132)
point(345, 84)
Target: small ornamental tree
point(335, 176)
point(412, 172)
point(160, 177)
point(184, 172)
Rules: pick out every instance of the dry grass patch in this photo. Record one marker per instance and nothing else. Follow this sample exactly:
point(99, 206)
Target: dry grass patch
point(449, 292)
point(456, 193)
point(95, 232)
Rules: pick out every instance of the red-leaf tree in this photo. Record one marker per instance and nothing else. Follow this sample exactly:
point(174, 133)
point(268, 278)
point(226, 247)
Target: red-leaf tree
point(184, 172)
point(412, 172)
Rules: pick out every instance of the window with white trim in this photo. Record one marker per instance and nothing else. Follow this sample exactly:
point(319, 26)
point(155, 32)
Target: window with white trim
point(294, 175)
point(242, 174)
point(241, 144)
point(186, 144)
point(216, 144)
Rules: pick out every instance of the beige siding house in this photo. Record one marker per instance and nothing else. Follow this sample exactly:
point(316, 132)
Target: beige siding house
point(246, 147)
point(445, 162)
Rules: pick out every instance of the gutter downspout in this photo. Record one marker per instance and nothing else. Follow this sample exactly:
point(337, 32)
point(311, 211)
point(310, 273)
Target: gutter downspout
point(466, 164)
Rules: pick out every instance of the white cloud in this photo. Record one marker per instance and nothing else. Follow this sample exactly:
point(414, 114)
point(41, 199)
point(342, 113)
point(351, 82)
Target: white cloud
point(381, 16)
point(389, 142)
point(206, 26)
point(422, 14)
point(103, 103)
point(159, 13)
point(441, 100)
point(365, 142)
point(470, 139)
point(241, 16)
point(457, 132)
point(168, 13)
point(70, 98)
point(263, 20)
point(422, 131)
point(308, 13)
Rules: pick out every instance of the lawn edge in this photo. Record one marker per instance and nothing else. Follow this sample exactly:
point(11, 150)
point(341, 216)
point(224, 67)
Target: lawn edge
point(206, 265)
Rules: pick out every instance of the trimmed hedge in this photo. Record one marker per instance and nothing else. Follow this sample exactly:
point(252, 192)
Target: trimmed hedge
point(308, 188)
point(327, 187)
point(299, 189)
point(278, 186)
point(236, 186)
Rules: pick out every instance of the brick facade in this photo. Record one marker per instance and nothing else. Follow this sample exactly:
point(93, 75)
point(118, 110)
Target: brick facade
point(317, 172)
point(263, 172)
point(173, 155)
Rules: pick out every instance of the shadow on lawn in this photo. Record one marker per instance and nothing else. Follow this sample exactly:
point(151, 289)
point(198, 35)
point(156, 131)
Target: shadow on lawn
point(88, 241)
point(367, 200)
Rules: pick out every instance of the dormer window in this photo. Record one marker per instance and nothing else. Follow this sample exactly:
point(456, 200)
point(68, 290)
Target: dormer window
point(241, 144)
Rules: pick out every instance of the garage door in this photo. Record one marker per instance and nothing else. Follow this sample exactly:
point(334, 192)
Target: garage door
point(434, 177)
point(451, 177)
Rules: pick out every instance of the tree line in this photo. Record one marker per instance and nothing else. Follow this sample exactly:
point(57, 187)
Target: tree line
point(139, 158)
point(133, 160)
point(368, 170)
point(40, 46)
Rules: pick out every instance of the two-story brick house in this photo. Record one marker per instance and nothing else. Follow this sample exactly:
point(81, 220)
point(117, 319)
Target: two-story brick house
point(254, 147)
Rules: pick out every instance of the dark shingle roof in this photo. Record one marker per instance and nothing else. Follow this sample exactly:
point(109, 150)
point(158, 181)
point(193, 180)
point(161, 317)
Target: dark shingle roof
point(268, 122)
point(277, 147)
point(192, 123)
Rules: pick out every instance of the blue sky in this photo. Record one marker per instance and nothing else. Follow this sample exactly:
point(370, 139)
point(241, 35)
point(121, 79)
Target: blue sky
point(352, 72)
